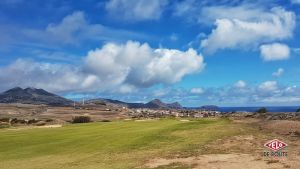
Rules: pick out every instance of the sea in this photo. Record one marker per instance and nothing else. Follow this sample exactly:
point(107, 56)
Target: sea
point(273, 109)
point(253, 109)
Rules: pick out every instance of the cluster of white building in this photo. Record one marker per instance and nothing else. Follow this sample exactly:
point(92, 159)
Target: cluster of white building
point(158, 113)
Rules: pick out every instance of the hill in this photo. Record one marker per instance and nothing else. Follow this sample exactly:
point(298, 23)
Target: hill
point(33, 96)
point(153, 104)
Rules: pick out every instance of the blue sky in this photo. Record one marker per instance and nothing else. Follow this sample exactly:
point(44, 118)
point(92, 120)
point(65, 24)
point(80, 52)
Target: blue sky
point(227, 53)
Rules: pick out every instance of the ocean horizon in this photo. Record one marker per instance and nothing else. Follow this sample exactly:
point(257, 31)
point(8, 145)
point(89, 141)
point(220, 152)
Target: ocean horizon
point(273, 109)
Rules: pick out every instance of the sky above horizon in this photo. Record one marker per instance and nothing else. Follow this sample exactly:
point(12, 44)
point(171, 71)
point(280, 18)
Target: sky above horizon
point(225, 53)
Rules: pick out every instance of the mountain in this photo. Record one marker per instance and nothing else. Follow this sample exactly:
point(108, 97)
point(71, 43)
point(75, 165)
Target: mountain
point(153, 104)
point(209, 107)
point(156, 103)
point(101, 101)
point(33, 96)
point(175, 105)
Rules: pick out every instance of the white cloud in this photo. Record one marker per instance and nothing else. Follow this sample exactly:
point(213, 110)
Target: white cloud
point(268, 86)
point(275, 51)
point(250, 30)
point(73, 29)
point(53, 77)
point(197, 91)
point(140, 65)
point(68, 28)
point(114, 67)
point(209, 14)
point(240, 84)
point(295, 1)
point(278, 73)
point(184, 8)
point(136, 10)
point(266, 93)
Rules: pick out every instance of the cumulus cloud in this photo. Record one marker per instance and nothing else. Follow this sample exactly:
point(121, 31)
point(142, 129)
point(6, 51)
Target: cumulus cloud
point(54, 77)
point(263, 94)
point(275, 51)
point(140, 65)
point(268, 86)
point(119, 67)
point(197, 91)
point(250, 29)
point(240, 84)
point(278, 73)
point(136, 10)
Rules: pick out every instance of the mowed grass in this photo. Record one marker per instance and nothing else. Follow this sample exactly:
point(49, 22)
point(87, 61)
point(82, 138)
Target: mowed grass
point(118, 144)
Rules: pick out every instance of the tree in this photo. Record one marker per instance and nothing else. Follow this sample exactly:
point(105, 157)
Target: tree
point(262, 110)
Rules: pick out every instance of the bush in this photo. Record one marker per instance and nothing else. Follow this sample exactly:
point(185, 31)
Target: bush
point(105, 120)
point(262, 110)
point(4, 120)
point(81, 119)
point(298, 111)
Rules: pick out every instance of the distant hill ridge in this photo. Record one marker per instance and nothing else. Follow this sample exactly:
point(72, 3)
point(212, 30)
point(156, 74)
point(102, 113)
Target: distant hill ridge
point(40, 96)
point(33, 96)
point(153, 104)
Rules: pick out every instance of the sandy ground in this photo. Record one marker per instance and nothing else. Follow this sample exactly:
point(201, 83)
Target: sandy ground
point(222, 161)
point(245, 151)
point(31, 127)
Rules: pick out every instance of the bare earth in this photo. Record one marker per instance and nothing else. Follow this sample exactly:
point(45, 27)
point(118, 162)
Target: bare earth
point(59, 114)
point(244, 151)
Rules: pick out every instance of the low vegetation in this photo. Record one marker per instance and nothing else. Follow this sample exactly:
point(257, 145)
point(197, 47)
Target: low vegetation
point(118, 144)
point(81, 119)
point(262, 110)
point(4, 125)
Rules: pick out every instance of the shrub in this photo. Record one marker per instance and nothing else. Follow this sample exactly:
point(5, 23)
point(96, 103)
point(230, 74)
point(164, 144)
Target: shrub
point(105, 120)
point(81, 119)
point(4, 120)
point(262, 110)
point(49, 120)
point(298, 111)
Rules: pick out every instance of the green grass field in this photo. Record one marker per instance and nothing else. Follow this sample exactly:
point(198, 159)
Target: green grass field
point(118, 144)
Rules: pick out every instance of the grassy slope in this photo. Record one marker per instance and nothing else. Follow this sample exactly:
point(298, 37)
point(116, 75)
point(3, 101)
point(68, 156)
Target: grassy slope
point(120, 144)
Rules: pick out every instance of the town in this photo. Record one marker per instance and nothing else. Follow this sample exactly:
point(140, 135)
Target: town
point(160, 113)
